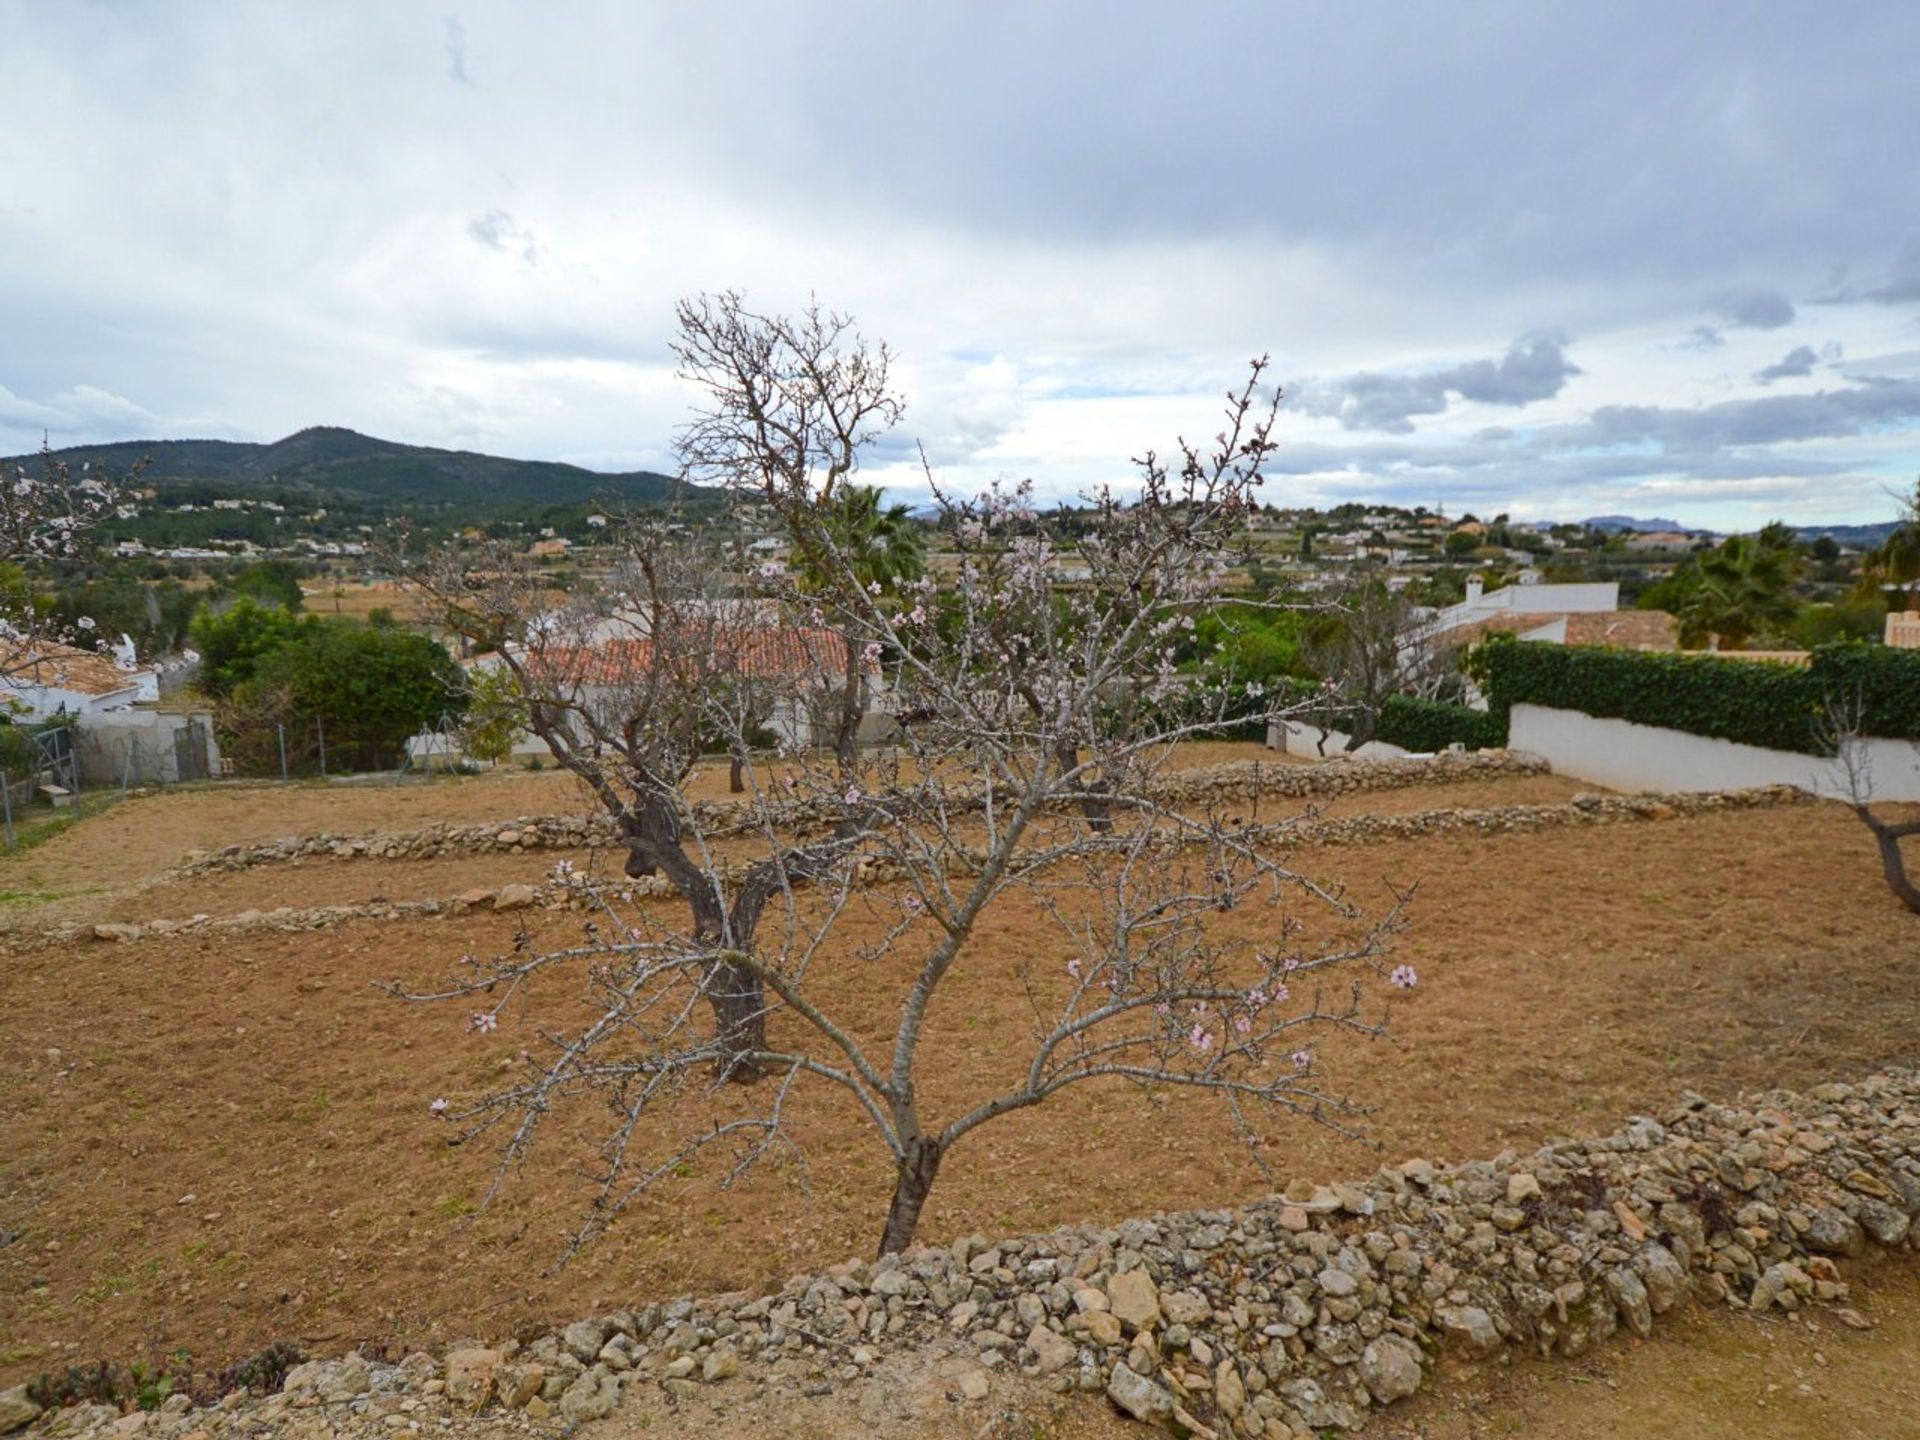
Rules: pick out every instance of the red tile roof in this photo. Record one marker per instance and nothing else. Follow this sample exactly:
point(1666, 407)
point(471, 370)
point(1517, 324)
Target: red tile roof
point(758, 652)
point(61, 667)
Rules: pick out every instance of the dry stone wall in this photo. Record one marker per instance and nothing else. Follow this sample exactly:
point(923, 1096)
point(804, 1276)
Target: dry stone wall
point(1293, 1317)
point(1239, 780)
point(1582, 810)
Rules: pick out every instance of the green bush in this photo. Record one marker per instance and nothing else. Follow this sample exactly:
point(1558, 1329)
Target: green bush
point(1433, 725)
point(1780, 707)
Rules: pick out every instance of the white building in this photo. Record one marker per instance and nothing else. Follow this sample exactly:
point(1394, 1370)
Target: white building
point(1533, 598)
point(40, 681)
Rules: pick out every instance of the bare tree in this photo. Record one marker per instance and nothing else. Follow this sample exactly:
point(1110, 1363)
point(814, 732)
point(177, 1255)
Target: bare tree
point(1032, 777)
point(1853, 762)
point(1368, 644)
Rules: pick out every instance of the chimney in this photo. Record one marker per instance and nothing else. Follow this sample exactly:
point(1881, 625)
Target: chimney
point(1476, 587)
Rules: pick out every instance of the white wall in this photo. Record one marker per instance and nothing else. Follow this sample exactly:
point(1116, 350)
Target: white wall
point(1296, 737)
point(1624, 756)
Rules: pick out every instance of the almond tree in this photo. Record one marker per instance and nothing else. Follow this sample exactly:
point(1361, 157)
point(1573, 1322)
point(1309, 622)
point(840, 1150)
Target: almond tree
point(1032, 770)
point(46, 513)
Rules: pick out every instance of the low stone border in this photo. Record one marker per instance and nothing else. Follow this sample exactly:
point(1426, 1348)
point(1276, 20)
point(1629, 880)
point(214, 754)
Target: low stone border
point(1237, 780)
point(1349, 830)
point(1290, 1317)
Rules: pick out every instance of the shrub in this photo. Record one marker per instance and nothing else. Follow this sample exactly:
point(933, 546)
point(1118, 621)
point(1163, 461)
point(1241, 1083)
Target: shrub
point(1779, 707)
point(1432, 725)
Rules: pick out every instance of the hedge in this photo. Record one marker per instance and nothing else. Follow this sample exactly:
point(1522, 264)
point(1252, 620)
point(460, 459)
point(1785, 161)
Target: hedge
point(1432, 725)
point(1780, 707)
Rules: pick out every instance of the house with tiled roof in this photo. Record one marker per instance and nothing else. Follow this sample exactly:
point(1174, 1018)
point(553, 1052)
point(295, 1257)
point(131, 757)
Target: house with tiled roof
point(800, 672)
point(41, 679)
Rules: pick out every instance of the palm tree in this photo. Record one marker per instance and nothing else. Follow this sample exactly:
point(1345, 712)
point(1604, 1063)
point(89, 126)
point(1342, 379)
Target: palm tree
point(1743, 589)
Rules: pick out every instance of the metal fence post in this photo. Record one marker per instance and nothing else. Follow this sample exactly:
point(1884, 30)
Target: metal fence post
point(283, 752)
point(6, 799)
point(320, 724)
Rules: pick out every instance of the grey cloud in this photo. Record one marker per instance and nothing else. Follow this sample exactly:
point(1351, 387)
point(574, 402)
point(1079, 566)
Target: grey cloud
point(1702, 337)
point(1752, 307)
point(82, 412)
point(456, 40)
point(1902, 284)
point(1763, 420)
point(1534, 368)
point(498, 230)
point(1796, 362)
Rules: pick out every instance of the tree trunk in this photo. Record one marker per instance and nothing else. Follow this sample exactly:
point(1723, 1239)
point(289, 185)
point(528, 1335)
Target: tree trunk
point(846, 731)
point(739, 1004)
point(1892, 862)
point(736, 773)
point(913, 1181)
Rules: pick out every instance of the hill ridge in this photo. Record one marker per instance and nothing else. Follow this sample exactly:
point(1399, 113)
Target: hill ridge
point(337, 458)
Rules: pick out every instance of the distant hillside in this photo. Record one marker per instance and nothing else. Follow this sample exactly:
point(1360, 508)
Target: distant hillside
point(1629, 522)
point(328, 458)
point(1864, 537)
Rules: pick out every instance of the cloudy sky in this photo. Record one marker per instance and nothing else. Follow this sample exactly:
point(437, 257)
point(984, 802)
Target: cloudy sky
point(1551, 259)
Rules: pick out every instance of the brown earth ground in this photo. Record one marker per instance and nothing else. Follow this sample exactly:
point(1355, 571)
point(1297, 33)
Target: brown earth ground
point(210, 1142)
point(328, 881)
point(138, 837)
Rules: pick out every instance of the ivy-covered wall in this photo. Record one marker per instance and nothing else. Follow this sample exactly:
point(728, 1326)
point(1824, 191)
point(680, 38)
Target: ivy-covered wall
point(1780, 707)
point(1433, 725)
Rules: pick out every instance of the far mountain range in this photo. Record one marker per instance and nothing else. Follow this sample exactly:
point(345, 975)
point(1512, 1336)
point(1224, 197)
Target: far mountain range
point(330, 460)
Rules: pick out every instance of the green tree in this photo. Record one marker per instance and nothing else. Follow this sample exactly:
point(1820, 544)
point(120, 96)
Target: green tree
point(1744, 590)
point(271, 582)
point(233, 642)
point(496, 714)
point(373, 688)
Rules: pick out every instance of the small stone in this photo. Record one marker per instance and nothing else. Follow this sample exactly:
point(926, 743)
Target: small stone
point(591, 1397)
point(1522, 1186)
point(722, 1364)
point(514, 897)
point(1103, 1328)
point(1390, 1368)
point(679, 1368)
point(1635, 1227)
point(17, 1411)
point(1229, 1391)
point(1139, 1396)
point(1052, 1350)
point(974, 1385)
point(1338, 1283)
point(472, 1376)
point(585, 1338)
point(1134, 1300)
point(1468, 1327)
point(519, 1385)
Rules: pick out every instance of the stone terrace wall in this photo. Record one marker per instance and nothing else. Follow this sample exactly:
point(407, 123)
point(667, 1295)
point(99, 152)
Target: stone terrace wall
point(1239, 780)
point(1582, 810)
point(1290, 1317)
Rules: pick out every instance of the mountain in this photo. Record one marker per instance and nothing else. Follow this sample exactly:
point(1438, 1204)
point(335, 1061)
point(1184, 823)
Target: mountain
point(1862, 537)
point(330, 459)
point(1629, 522)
